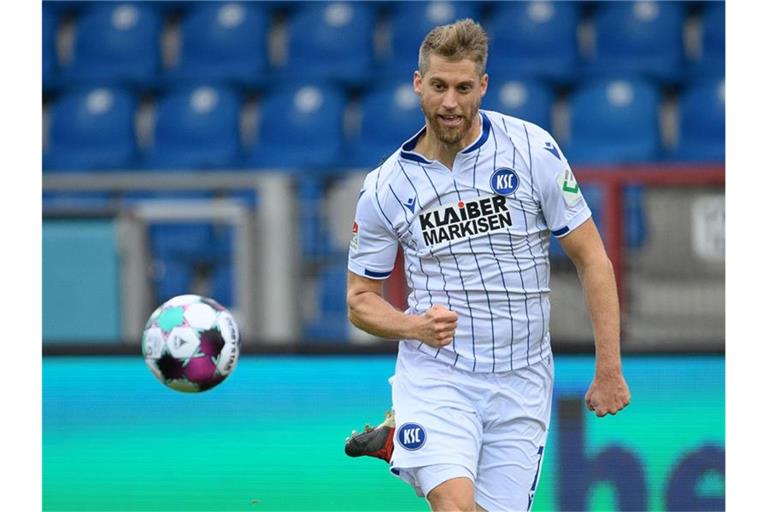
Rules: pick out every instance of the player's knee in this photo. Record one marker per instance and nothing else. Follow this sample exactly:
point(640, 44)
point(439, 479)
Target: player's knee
point(456, 494)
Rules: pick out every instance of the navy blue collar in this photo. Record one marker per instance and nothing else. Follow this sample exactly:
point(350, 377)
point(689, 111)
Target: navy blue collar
point(406, 151)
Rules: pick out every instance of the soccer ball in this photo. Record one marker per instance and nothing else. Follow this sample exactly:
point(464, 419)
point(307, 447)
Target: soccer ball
point(191, 343)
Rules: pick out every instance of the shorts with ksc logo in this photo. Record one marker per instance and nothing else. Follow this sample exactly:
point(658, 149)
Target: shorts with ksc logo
point(489, 427)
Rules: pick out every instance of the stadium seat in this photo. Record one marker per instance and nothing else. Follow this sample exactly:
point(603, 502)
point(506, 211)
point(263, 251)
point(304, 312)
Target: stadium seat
point(614, 122)
point(188, 241)
point(702, 123)
point(90, 130)
point(530, 100)
point(534, 39)
point(50, 56)
point(329, 41)
point(196, 128)
point(644, 38)
point(116, 43)
point(221, 289)
point(225, 42)
point(77, 200)
point(301, 127)
point(389, 115)
point(711, 61)
point(330, 322)
point(171, 278)
point(409, 23)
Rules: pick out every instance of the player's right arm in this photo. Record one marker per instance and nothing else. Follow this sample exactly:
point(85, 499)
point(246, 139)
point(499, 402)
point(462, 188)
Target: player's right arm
point(372, 254)
point(371, 312)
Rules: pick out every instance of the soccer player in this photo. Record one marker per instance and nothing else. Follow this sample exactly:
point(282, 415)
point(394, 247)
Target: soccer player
point(472, 199)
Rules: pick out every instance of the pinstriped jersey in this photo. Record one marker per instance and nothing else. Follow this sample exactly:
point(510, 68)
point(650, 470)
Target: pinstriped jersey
point(475, 238)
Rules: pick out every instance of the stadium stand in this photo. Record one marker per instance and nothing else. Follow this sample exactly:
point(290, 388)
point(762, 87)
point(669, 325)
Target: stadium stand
point(643, 38)
point(195, 128)
point(301, 127)
point(329, 41)
point(91, 129)
point(389, 114)
point(223, 42)
point(116, 43)
point(328, 86)
point(711, 60)
point(534, 40)
point(614, 121)
point(702, 123)
point(530, 99)
point(50, 55)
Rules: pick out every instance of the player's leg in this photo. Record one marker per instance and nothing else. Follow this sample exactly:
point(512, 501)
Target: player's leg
point(438, 432)
point(514, 438)
point(455, 494)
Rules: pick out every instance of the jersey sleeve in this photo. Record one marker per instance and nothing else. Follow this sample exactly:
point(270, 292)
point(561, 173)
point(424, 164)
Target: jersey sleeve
point(373, 247)
point(562, 202)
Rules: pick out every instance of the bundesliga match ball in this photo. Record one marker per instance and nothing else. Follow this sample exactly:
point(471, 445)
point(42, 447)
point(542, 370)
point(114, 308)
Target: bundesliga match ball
point(191, 343)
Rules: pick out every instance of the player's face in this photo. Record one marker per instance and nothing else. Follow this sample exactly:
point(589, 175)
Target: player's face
point(450, 94)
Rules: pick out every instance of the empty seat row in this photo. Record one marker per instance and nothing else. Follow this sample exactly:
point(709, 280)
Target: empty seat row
point(128, 43)
point(304, 127)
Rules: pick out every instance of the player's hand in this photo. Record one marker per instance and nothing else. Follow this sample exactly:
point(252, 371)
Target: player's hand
point(437, 326)
point(608, 394)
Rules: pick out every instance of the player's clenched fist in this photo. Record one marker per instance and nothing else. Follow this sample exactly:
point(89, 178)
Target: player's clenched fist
point(437, 326)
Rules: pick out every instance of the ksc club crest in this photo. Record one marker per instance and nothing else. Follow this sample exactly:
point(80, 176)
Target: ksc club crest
point(504, 181)
point(411, 436)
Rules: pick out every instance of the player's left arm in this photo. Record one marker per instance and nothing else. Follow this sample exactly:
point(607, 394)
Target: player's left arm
point(608, 393)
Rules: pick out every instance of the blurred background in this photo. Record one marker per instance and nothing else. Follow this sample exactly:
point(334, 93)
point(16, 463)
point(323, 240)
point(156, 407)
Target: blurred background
point(218, 148)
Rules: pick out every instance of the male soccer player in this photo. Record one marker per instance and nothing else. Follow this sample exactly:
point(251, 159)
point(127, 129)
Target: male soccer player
point(472, 200)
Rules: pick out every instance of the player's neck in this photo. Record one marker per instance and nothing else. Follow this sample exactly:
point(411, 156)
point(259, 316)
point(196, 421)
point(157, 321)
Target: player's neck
point(434, 149)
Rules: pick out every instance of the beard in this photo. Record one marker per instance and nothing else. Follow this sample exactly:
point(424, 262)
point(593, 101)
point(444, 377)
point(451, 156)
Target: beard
point(451, 136)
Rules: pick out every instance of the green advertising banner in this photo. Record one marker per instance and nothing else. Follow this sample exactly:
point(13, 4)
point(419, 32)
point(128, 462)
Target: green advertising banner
point(271, 437)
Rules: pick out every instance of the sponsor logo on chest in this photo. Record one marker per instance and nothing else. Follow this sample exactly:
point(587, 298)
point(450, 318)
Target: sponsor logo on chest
point(464, 219)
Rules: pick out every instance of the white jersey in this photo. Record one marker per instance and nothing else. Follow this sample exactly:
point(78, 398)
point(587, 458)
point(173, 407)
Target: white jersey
point(475, 239)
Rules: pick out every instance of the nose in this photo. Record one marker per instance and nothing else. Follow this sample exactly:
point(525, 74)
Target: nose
point(449, 100)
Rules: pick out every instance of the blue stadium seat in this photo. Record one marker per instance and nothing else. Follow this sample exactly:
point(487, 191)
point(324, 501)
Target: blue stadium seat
point(116, 43)
point(702, 123)
point(184, 241)
point(225, 42)
point(301, 127)
point(221, 287)
point(330, 323)
point(171, 278)
point(614, 122)
point(530, 100)
point(196, 128)
point(329, 41)
point(77, 200)
point(534, 39)
point(389, 115)
point(91, 129)
point(711, 62)
point(409, 23)
point(643, 38)
point(50, 56)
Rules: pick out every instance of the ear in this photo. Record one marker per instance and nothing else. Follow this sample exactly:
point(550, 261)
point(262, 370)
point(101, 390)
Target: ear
point(417, 82)
point(484, 84)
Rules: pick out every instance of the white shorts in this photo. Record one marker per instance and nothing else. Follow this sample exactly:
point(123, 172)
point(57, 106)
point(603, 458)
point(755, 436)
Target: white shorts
point(488, 427)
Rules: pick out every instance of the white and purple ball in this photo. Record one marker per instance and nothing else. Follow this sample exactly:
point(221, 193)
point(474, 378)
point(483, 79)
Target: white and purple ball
point(191, 343)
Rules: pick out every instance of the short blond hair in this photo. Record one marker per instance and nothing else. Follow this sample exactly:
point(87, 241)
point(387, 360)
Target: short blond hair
point(464, 39)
